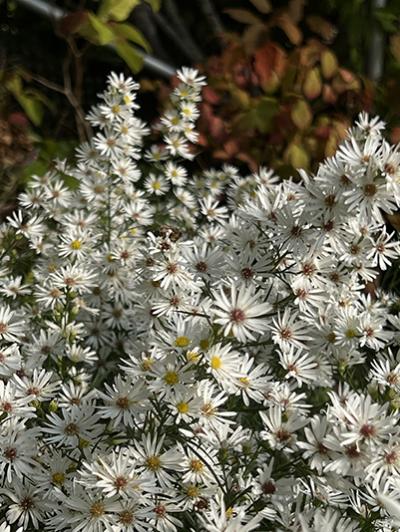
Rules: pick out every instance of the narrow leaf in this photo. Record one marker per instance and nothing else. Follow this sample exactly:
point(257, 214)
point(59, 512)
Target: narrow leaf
point(263, 6)
point(117, 9)
point(96, 31)
point(129, 55)
point(131, 33)
point(244, 16)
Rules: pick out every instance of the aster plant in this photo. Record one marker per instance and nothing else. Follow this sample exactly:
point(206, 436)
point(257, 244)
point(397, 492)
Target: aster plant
point(189, 349)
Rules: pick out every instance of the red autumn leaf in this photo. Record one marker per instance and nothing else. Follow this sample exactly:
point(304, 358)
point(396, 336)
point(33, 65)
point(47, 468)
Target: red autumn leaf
point(270, 59)
point(220, 154)
point(322, 132)
point(395, 135)
point(18, 119)
point(202, 140)
point(72, 22)
point(212, 123)
point(347, 76)
point(210, 96)
point(292, 31)
point(253, 164)
point(328, 94)
point(231, 147)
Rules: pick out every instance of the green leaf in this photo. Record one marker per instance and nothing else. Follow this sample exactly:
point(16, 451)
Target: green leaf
point(297, 156)
point(301, 114)
point(155, 4)
point(264, 113)
point(387, 19)
point(32, 107)
point(312, 85)
point(129, 55)
point(131, 33)
point(259, 116)
point(395, 46)
point(29, 103)
point(50, 149)
point(117, 9)
point(96, 31)
point(329, 64)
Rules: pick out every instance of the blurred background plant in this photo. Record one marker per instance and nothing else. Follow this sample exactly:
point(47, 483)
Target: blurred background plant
point(286, 77)
point(278, 94)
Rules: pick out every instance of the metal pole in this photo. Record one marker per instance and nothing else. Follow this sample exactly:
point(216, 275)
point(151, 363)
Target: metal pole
point(56, 13)
point(377, 46)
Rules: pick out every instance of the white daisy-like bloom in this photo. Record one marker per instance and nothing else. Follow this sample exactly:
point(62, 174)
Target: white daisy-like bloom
point(329, 521)
point(19, 447)
point(288, 331)
point(240, 312)
point(124, 401)
point(217, 518)
point(13, 403)
point(26, 505)
point(223, 363)
point(11, 325)
point(117, 474)
point(159, 464)
point(279, 432)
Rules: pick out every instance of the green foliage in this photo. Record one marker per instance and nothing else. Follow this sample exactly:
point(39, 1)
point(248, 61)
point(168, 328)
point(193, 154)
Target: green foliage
point(32, 101)
point(118, 10)
point(109, 27)
point(279, 98)
point(129, 32)
point(95, 30)
point(49, 151)
point(129, 55)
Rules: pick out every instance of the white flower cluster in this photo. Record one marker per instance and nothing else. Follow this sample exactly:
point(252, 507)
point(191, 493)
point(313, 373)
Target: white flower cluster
point(187, 349)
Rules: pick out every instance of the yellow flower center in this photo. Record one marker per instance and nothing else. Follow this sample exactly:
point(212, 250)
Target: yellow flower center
point(153, 463)
point(147, 364)
point(229, 512)
point(97, 509)
point(216, 362)
point(115, 109)
point(126, 517)
point(58, 478)
point(208, 409)
point(182, 341)
point(76, 244)
point(192, 491)
point(171, 378)
point(183, 407)
point(196, 465)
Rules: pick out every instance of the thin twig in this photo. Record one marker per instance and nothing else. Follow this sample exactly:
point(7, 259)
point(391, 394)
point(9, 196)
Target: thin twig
point(81, 124)
point(46, 83)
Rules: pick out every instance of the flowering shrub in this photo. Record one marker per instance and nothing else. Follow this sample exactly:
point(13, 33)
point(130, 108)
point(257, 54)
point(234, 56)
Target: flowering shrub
point(194, 350)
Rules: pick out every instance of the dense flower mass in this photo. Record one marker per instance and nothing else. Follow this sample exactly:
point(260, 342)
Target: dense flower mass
point(187, 349)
